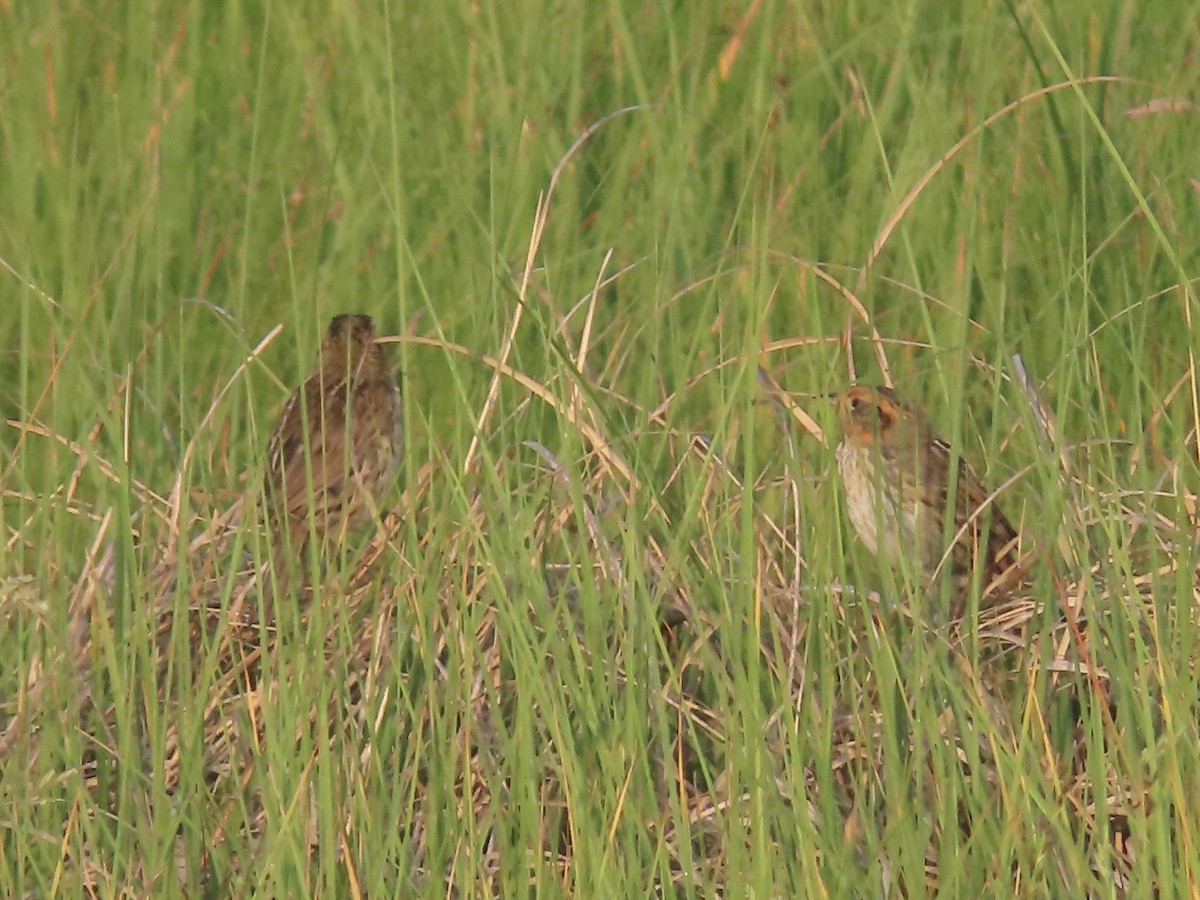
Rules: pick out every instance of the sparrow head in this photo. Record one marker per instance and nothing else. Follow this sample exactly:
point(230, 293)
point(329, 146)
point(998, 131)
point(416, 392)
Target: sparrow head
point(353, 329)
point(871, 415)
point(350, 346)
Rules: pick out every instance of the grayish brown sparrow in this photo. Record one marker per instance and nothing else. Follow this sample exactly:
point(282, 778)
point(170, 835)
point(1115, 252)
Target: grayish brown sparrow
point(334, 453)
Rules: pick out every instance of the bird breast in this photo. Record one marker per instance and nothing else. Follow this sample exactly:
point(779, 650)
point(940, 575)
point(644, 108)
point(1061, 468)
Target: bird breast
point(873, 504)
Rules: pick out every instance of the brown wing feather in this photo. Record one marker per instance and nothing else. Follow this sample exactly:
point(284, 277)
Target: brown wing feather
point(969, 499)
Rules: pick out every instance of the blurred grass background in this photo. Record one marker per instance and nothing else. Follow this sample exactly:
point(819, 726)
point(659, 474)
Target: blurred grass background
point(179, 179)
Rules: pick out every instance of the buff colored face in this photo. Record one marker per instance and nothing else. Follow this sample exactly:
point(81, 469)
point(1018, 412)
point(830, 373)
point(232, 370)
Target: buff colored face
point(868, 412)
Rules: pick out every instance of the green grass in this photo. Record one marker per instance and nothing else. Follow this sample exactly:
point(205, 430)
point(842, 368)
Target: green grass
point(591, 655)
